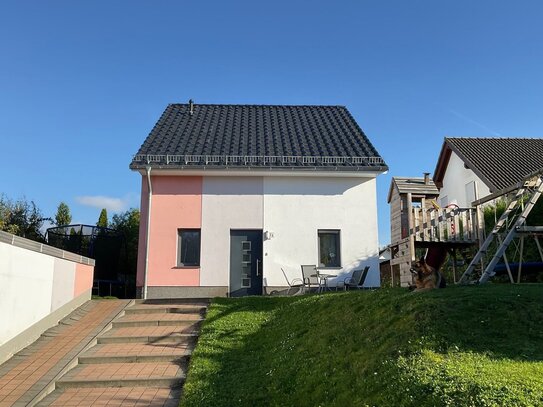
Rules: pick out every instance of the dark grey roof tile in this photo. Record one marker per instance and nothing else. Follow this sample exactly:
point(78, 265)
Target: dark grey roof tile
point(500, 162)
point(259, 130)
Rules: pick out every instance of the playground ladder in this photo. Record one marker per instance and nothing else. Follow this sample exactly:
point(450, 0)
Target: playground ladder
point(532, 188)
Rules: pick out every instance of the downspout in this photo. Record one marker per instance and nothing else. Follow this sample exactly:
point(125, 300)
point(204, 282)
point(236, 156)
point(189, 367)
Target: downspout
point(150, 188)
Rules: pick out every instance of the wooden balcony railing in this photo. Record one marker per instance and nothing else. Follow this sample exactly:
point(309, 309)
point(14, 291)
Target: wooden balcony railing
point(444, 225)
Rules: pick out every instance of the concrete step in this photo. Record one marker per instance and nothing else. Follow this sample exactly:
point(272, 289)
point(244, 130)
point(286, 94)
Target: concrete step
point(195, 323)
point(178, 338)
point(151, 374)
point(164, 309)
point(161, 301)
point(163, 358)
point(152, 330)
point(137, 349)
point(162, 317)
point(171, 382)
point(120, 396)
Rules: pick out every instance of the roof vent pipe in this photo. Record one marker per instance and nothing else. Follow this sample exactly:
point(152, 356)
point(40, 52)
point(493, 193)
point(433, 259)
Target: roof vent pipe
point(426, 178)
point(191, 107)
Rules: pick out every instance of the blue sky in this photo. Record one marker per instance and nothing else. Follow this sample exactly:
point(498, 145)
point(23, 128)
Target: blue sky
point(82, 83)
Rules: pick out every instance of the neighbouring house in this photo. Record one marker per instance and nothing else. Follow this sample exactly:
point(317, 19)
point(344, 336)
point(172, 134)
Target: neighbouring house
point(232, 194)
point(439, 214)
point(469, 169)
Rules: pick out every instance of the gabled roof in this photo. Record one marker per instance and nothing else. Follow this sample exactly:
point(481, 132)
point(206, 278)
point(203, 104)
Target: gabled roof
point(416, 186)
point(269, 137)
point(498, 162)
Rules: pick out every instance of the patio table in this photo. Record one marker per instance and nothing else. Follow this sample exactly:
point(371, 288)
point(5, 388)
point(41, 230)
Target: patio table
point(323, 280)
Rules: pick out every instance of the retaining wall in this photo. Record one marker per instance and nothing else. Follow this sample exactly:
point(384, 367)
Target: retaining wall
point(39, 285)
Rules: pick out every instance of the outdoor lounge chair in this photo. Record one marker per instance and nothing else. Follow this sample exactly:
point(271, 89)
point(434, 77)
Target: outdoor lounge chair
point(296, 286)
point(357, 279)
point(310, 277)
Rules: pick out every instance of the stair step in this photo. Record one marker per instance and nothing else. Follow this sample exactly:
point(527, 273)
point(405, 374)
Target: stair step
point(165, 310)
point(179, 338)
point(171, 382)
point(154, 322)
point(180, 359)
point(123, 374)
point(152, 331)
point(101, 396)
point(136, 349)
point(180, 301)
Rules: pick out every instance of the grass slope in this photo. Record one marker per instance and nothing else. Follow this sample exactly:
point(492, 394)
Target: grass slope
point(467, 346)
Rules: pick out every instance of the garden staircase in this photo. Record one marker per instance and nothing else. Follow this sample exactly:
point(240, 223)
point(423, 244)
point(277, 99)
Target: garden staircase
point(506, 228)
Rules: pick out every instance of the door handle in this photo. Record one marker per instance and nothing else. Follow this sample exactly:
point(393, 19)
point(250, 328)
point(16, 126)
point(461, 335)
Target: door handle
point(257, 267)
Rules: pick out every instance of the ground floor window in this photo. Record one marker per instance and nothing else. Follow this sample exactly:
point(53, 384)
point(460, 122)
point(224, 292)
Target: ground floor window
point(329, 248)
point(188, 247)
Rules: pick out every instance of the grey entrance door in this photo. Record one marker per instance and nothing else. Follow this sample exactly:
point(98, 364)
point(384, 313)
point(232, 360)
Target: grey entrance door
point(245, 262)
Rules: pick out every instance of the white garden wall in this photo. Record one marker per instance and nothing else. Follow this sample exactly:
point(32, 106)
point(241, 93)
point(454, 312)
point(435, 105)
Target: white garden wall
point(35, 286)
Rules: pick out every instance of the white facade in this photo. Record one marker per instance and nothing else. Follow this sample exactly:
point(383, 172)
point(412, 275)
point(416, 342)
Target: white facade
point(227, 203)
point(461, 186)
point(296, 208)
point(290, 211)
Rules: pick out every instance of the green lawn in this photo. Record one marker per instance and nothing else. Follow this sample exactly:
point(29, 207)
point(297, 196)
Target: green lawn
point(462, 346)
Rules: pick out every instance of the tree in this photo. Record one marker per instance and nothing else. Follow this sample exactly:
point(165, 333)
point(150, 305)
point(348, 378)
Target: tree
point(63, 216)
point(128, 223)
point(21, 218)
point(102, 220)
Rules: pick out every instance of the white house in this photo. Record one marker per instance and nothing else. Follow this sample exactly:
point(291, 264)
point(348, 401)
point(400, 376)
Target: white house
point(232, 194)
point(469, 169)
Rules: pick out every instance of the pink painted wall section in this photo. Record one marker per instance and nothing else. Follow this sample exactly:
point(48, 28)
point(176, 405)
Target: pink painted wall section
point(144, 205)
point(176, 204)
point(83, 278)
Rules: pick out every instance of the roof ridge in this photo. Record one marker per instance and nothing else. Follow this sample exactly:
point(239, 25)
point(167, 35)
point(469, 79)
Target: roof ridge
point(492, 138)
point(253, 105)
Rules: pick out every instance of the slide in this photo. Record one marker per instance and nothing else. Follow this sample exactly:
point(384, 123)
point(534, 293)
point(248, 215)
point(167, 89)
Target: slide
point(435, 257)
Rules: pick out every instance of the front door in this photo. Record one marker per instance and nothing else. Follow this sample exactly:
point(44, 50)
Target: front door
point(245, 262)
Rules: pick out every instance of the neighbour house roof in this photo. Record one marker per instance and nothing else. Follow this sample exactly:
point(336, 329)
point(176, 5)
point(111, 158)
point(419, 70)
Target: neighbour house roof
point(189, 136)
point(415, 186)
point(498, 162)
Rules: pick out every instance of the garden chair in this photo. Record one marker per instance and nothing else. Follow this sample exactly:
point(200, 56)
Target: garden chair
point(295, 287)
point(310, 277)
point(357, 279)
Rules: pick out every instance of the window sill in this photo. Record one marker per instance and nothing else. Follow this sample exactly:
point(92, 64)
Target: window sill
point(329, 268)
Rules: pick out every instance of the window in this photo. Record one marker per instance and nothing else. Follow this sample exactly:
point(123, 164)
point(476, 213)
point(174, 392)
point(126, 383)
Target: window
point(329, 249)
point(188, 247)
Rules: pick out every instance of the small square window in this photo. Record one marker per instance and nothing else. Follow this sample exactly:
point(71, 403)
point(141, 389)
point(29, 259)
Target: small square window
point(329, 248)
point(188, 247)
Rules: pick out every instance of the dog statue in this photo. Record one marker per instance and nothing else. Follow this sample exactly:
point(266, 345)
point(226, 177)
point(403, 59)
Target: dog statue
point(426, 277)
